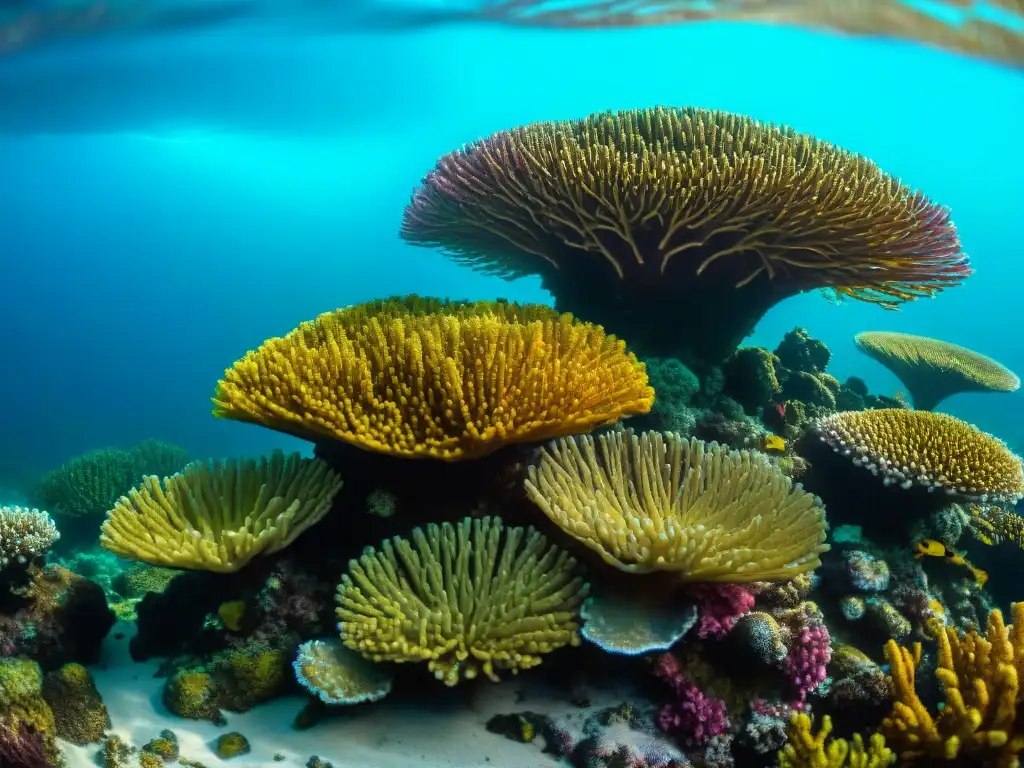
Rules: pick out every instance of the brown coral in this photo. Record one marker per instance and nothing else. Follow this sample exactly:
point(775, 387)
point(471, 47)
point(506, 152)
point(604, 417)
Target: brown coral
point(933, 370)
point(419, 377)
point(648, 220)
point(930, 450)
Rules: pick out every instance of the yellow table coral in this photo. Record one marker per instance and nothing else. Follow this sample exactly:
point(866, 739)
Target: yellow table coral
point(980, 675)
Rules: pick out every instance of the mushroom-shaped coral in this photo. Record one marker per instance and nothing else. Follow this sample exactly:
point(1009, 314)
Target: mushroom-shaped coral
point(933, 370)
point(980, 676)
point(420, 377)
point(632, 625)
point(657, 502)
point(648, 220)
point(24, 534)
point(338, 675)
point(467, 598)
point(931, 450)
point(218, 516)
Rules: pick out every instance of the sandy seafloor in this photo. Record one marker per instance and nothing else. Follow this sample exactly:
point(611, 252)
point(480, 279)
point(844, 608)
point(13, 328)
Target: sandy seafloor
point(382, 735)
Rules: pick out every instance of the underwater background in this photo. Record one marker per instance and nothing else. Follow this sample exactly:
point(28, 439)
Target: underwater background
point(455, 534)
point(171, 201)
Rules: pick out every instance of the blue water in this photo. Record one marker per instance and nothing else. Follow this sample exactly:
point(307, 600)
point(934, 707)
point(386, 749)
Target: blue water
point(167, 202)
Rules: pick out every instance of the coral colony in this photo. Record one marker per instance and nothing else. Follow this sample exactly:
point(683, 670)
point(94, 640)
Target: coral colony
point(767, 559)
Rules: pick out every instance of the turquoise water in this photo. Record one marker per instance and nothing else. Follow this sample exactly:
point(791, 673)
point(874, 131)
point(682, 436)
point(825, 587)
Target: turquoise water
point(169, 205)
point(170, 198)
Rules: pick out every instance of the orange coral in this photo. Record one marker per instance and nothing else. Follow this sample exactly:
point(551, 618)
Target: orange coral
point(427, 378)
point(651, 220)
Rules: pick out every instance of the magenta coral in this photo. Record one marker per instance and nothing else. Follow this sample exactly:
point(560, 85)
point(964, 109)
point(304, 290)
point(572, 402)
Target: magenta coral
point(806, 664)
point(720, 606)
point(692, 718)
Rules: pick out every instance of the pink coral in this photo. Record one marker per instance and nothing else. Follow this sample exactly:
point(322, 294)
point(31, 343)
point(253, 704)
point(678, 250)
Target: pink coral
point(692, 718)
point(806, 664)
point(720, 606)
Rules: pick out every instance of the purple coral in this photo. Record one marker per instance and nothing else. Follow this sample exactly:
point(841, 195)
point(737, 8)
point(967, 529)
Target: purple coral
point(693, 718)
point(806, 664)
point(720, 606)
point(22, 748)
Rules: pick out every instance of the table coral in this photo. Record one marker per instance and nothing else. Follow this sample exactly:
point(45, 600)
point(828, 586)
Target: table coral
point(657, 502)
point(426, 378)
point(649, 220)
point(980, 676)
point(467, 598)
point(933, 370)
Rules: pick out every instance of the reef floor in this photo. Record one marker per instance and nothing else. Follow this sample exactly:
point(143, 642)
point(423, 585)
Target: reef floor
point(444, 733)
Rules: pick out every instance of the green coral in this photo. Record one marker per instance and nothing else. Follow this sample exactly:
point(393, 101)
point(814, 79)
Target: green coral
point(78, 710)
point(22, 702)
point(799, 352)
point(231, 745)
point(164, 746)
point(191, 693)
point(88, 484)
point(751, 378)
point(249, 675)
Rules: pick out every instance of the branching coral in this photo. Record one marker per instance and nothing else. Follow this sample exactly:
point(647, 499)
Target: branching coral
point(933, 370)
point(807, 749)
point(466, 598)
point(656, 502)
point(647, 220)
point(218, 516)
point(980, 677)
point(428, 378)
point(987, 30)
point(932, 450)
point(24, 534)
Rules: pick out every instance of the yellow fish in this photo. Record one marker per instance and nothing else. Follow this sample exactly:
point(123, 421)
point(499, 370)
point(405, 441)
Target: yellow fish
point(933, 548)
point(774, 443)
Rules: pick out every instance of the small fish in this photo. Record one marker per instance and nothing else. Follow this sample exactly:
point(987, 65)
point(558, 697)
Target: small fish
point(780, 408)
point(774, 443)
point(933, 548)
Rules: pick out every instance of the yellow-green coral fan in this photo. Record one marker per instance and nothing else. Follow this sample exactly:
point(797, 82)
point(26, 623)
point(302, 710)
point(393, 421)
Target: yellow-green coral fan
point(419, 377)
point(930, 450)
point(218, 516)
point(657, 502)
point(809, 750)
point(980, 676)
point(467, 598)
point(933, 370)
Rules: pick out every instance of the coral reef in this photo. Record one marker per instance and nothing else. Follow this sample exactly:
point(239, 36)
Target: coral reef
point(25, 534)
point(548, 375)
point(218, 516)
point(24, 711)
point(645, 220)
